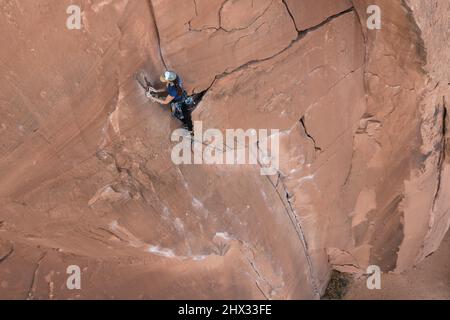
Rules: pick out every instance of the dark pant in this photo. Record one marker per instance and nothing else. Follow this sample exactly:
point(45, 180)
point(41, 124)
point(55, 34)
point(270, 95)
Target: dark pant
point(187, 120)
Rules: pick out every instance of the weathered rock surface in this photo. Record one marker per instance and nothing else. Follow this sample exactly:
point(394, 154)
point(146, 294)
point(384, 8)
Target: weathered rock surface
point(203, 39)
point(86, 176)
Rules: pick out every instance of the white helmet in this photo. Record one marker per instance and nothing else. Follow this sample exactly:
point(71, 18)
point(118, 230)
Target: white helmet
point(168, 76)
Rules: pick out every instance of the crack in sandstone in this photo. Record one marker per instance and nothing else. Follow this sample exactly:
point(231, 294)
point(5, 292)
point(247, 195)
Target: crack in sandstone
point(289, 208)
point(258, 274)
point(442, 155)
point(220, 27)
point(207, 28)
point(300, 36)
point(302, 123)
point(286, 198)
point(295, 220)
point(291, 15)
point(152, 13)
point(296, 223)
point(304, 32)
point(35, 273)
point(366, 55)
point(9, 253)
point(249, 34)
point(261, 290)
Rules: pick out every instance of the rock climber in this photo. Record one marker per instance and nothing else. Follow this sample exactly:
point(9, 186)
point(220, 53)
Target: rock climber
point(177, 98)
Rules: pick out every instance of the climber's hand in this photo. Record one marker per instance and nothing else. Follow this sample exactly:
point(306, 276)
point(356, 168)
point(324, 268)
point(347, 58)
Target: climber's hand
point(148, 94)
point(153, 99)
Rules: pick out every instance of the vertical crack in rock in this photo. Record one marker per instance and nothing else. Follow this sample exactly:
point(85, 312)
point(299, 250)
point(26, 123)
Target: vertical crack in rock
point(302, 122)
point(279, 183)
point(258, 274)
point(286, 198)
point(9, 253)
point(261, 290)
point(296, 223)
point(366, 54)
point(291, 15)
point(443, 150)
point(366, 88)
point(35, 273)
point(152, 13)
point(350, 169)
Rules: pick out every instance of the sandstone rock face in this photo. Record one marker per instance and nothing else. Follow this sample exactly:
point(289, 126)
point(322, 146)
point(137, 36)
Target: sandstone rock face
point(310, 13)
point(86, 176)
point(203, 39)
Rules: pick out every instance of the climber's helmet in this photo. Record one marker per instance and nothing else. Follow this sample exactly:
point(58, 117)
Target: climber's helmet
point(168, 76)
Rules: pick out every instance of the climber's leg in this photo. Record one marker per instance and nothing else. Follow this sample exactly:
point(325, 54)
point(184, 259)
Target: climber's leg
point(187, 120)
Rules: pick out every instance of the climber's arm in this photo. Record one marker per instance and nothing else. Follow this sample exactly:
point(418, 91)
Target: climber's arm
point(168, 100)
point(151, 89)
